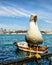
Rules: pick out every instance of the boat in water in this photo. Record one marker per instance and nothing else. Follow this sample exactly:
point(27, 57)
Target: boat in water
point(24, 46)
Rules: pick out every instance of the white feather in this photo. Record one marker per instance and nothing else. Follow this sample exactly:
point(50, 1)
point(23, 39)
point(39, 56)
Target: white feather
point(33, 33)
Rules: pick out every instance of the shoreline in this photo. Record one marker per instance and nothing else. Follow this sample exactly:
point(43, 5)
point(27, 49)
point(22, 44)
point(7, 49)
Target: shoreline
point(22, 33)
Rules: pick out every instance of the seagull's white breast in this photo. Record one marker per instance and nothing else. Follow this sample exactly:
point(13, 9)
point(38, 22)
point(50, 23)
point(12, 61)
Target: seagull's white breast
point(33, 34)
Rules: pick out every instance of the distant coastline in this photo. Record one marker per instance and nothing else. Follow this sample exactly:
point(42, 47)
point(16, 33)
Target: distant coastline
point(46, 32)
point(23, 32)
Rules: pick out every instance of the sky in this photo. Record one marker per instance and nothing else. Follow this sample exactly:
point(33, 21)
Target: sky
point(15, 14)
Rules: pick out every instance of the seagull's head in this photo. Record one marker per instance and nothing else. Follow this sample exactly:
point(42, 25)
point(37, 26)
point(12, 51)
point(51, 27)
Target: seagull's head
point(33, 17)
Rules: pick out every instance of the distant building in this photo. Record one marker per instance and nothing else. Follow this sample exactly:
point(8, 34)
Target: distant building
point(1, 31)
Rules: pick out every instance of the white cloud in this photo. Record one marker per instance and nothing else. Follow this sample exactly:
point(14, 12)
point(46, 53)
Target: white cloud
point(10, 11)
point(44, 15)
point(13, 11)
point(49, 21)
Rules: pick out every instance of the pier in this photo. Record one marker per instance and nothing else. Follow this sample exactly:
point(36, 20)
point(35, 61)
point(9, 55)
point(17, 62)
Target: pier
point(22, 61)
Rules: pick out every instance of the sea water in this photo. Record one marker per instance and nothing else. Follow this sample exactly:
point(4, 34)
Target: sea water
point(8, 51)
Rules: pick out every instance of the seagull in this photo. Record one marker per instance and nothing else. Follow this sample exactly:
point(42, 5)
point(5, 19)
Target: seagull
point(33, 36)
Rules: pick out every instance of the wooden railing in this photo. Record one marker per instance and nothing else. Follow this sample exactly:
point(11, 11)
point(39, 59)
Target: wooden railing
point(24, 60)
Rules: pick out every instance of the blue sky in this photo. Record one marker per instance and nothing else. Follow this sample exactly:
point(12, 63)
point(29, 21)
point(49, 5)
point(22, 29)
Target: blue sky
point(15, 14)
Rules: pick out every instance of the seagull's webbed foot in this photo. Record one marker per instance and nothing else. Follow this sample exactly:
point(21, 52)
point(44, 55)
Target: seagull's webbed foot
point(30, 55)
point(37, 55)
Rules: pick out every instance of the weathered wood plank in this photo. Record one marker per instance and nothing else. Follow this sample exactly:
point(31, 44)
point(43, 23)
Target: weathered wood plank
point(25, 60)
